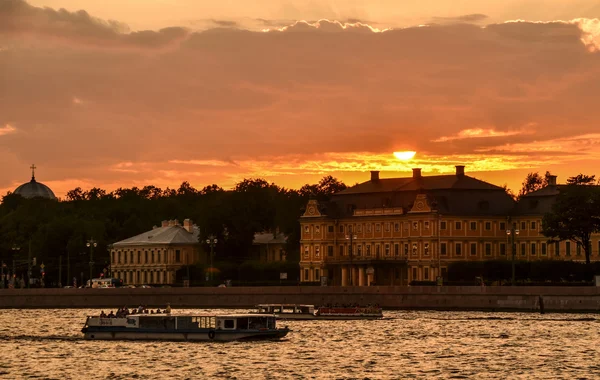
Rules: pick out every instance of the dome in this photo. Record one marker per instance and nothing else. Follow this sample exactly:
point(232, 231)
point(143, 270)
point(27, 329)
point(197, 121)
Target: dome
point(34, 188)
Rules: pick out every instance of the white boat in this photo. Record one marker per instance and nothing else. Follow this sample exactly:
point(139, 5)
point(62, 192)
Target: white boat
point(310, 312)
point(184, 327)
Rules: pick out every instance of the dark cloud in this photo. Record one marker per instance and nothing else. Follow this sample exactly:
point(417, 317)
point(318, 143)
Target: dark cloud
point(225, 23)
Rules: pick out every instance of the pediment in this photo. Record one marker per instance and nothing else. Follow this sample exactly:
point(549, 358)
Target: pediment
point(421, 204)
point(312, 209)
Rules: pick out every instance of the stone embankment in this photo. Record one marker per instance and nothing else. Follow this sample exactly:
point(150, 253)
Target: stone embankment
point(527, 299)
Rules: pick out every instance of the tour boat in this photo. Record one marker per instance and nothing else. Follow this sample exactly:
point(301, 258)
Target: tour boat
point(184, 327)
point(310, 312)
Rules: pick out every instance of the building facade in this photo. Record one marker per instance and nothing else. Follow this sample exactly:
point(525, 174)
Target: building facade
point(394, 231)
point(269, 247)
point(154, 256)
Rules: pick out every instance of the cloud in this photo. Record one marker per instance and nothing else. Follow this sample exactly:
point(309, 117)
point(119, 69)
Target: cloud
point(216, 105)
point(7, 129)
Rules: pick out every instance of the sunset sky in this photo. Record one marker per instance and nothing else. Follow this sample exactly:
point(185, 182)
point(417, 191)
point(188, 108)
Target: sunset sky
point(122, 93)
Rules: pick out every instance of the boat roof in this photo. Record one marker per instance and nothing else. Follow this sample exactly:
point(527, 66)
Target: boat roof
point(241, 315)
point(284, 304)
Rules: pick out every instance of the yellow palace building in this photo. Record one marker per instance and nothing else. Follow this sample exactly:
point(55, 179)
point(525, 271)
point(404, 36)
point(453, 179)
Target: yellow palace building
point(396, 230)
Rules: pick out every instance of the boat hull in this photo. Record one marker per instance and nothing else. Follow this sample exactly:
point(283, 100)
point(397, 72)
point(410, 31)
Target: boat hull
point(215, 335)
point(306, 317)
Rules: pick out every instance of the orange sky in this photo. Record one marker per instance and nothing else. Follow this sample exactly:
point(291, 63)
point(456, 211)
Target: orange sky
point(104, 97)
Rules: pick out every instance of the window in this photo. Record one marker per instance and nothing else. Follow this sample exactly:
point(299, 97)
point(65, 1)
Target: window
point(317, 252)
point(377, 250)
point(177, 256)
point(414, 273)
point(488, 226)
point(473, 226)
point(368, 227)
point(306, 275)
point(426, 273)
point(473, 249)
point(503, 249)
point(307, 229)
point(152, 257)
point(457, 225)
point(131, 257)
point(330, 229)
point(139, 257)
point(396, 227)
point(426, 249)
point(119, 257)
point(544, 249)
point(444, 249)
point(533, 249)
point(523, 226)
point(426, 225)
point(368, 249)
point(488, 249)
point(317, 275)
point(124, 257)
point(341, 250)
point(377, 227)
point(387, 249)
point(443, 225)
point(145, 257)
point(414, 249)
point(568, 248)
point(533, 226)
point(359, 250)
point(330, 250)
point(341, 229)
point(317, 229)
point(396, 249)
point(502, 226)
point(405, 249)
point(557, 248)
point(578, 249)
point(359, 228)
point(306, 252)
point(523, 249)
point(458, 249)
point(158, 257)
point(387, 227)
point(415, 225)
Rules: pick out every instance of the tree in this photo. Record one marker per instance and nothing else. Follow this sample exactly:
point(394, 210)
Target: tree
point(575, 214)
point(533, 182)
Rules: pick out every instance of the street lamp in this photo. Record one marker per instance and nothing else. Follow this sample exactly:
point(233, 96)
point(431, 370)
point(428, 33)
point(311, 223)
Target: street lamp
point(15, 248)
point(512, 232)
point(91, 244)
point(350, 237)
point(212, 240)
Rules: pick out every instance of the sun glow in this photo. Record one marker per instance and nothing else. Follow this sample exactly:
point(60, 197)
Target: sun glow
point(405, 156)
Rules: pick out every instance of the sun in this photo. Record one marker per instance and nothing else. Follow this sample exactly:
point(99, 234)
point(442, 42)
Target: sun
point(405, 156)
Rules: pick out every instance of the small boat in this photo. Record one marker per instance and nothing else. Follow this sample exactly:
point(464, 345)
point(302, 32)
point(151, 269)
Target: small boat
point(184, 327)
point(310, 312)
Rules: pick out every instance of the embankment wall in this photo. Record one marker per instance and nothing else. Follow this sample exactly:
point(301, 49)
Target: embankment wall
point(531, 299)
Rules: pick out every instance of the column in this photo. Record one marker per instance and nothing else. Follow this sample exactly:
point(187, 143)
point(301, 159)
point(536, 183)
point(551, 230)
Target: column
point(353, 276)
point(361, 275)
point(344, 275)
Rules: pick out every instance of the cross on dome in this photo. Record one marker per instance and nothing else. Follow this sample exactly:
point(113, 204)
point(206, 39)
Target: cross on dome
point(32, 167)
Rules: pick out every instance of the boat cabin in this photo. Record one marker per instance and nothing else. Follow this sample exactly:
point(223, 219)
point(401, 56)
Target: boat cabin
point(286, 309)
point(184, 322)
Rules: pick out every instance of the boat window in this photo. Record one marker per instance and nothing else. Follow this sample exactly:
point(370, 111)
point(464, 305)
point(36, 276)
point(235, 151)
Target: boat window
point(229, 324)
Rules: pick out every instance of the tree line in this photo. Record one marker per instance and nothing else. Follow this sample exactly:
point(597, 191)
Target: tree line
point(57, 232)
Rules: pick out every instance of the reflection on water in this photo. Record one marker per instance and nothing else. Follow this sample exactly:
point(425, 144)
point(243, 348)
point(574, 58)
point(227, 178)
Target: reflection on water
point(48, 344)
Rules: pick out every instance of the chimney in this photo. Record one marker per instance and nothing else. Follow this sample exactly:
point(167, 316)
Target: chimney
point(417, 173)
point(460, 170)
point(188, 225)
point(374, 175)
point(164, 223)
point(171, 223)
point(552, 180)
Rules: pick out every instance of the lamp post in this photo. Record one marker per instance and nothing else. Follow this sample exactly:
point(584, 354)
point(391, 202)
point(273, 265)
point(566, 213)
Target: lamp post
point(512, 232)
point(15, 248)
point(91, 244)
point(212, 240)
point(350, 237)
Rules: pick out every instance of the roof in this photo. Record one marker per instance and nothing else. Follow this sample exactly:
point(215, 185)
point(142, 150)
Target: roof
point(269, 238)
point(34, 189)
point(438, 182)
point(173, 234)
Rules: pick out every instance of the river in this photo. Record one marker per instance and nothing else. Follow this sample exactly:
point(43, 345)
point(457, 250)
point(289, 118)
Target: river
point(48, 344)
